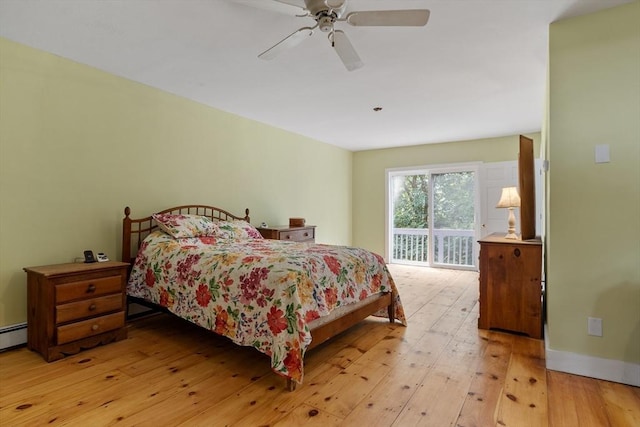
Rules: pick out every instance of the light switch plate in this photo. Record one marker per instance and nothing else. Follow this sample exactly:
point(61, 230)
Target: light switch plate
point(602, 153)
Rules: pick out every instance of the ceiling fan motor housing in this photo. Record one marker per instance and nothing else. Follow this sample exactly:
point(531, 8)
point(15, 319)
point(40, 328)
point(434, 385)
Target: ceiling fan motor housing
point(333, 9)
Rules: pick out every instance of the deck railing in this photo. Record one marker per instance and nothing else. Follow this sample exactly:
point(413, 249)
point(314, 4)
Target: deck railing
point(453, 247)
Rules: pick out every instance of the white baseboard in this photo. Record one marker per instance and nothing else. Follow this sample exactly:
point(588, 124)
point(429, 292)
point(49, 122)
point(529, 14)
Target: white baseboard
point(13, 335)
point(595, 367)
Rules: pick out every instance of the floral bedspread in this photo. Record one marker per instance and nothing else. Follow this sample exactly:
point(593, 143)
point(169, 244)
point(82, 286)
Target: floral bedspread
point(257, 292)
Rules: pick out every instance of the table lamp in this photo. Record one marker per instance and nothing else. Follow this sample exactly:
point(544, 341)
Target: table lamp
point(510, 199)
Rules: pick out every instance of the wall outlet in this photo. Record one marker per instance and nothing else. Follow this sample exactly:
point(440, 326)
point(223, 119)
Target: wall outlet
point(594, 326)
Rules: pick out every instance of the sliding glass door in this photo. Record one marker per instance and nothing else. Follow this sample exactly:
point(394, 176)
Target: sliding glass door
point(432, 216)
point(453, 228)
point(409, 217)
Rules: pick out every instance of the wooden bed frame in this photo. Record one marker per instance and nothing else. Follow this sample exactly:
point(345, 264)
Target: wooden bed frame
point(134, 232)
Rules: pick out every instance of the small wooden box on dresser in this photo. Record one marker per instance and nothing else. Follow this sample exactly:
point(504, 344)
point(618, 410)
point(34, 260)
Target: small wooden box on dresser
point(305, 233)
point(75, 306)
point(510, 285)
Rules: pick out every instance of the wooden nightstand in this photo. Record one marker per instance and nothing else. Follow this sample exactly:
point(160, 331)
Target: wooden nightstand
point(294, 234)
point(75, 306)
point(510, 285)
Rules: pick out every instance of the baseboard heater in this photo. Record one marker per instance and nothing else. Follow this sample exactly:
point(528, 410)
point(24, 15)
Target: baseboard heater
point(13, 335)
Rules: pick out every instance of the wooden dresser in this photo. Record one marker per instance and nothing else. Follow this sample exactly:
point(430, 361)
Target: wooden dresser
point(294, 234)
point(75, 306)
point(510, 285)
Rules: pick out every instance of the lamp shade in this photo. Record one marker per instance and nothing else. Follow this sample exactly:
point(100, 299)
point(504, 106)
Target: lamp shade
point(509, 199)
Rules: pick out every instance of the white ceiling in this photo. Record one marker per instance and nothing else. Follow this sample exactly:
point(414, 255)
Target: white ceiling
point(476, 70)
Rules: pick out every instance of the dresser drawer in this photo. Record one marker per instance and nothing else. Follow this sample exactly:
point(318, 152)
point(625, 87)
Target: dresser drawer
point(90, 327)
point(298, 235)
point(88, 288)
point(87, 308)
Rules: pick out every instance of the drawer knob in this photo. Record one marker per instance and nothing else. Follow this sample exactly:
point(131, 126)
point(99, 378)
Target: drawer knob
point(91, 288)
point(306, 234)
point(92, 307)
point(288, 237)
point(516, 252)
point(94, 327)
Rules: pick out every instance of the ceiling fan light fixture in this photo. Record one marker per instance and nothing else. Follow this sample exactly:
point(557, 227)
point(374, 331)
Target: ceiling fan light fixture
point(325, 23)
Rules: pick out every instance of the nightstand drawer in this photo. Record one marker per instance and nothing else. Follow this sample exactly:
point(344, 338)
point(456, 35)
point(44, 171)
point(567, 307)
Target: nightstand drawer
point(291, 234)
point(298, 235)
point(90, 327)
point(88, 288)
point(87, 308)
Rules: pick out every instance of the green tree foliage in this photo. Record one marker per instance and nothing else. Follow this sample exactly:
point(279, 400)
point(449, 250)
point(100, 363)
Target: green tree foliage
point(453, 201)
point(411, 207)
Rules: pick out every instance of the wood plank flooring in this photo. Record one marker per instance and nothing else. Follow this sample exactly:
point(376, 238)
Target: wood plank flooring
point(439, 371)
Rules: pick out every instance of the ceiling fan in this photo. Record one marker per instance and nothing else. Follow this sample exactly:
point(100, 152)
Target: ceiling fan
point(327, 13)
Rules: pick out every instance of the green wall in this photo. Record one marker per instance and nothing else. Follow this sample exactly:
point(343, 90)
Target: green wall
point(593, 221)
point(369, 176)
point(77, 145)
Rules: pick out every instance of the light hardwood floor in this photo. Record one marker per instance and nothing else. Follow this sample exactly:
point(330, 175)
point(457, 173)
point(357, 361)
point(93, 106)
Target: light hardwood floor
point(439, 371)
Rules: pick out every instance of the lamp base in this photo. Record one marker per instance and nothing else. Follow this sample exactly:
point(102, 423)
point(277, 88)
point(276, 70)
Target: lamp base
point(511, 233)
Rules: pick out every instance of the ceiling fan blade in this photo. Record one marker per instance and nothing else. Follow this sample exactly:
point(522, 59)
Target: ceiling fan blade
point(288, 7)
point(401, 18)
point(335, 4)
point(345, 51)
point(288, 42)
point(296, 3)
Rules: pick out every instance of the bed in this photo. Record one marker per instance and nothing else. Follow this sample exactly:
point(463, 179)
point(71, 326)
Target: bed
point(214, 269)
